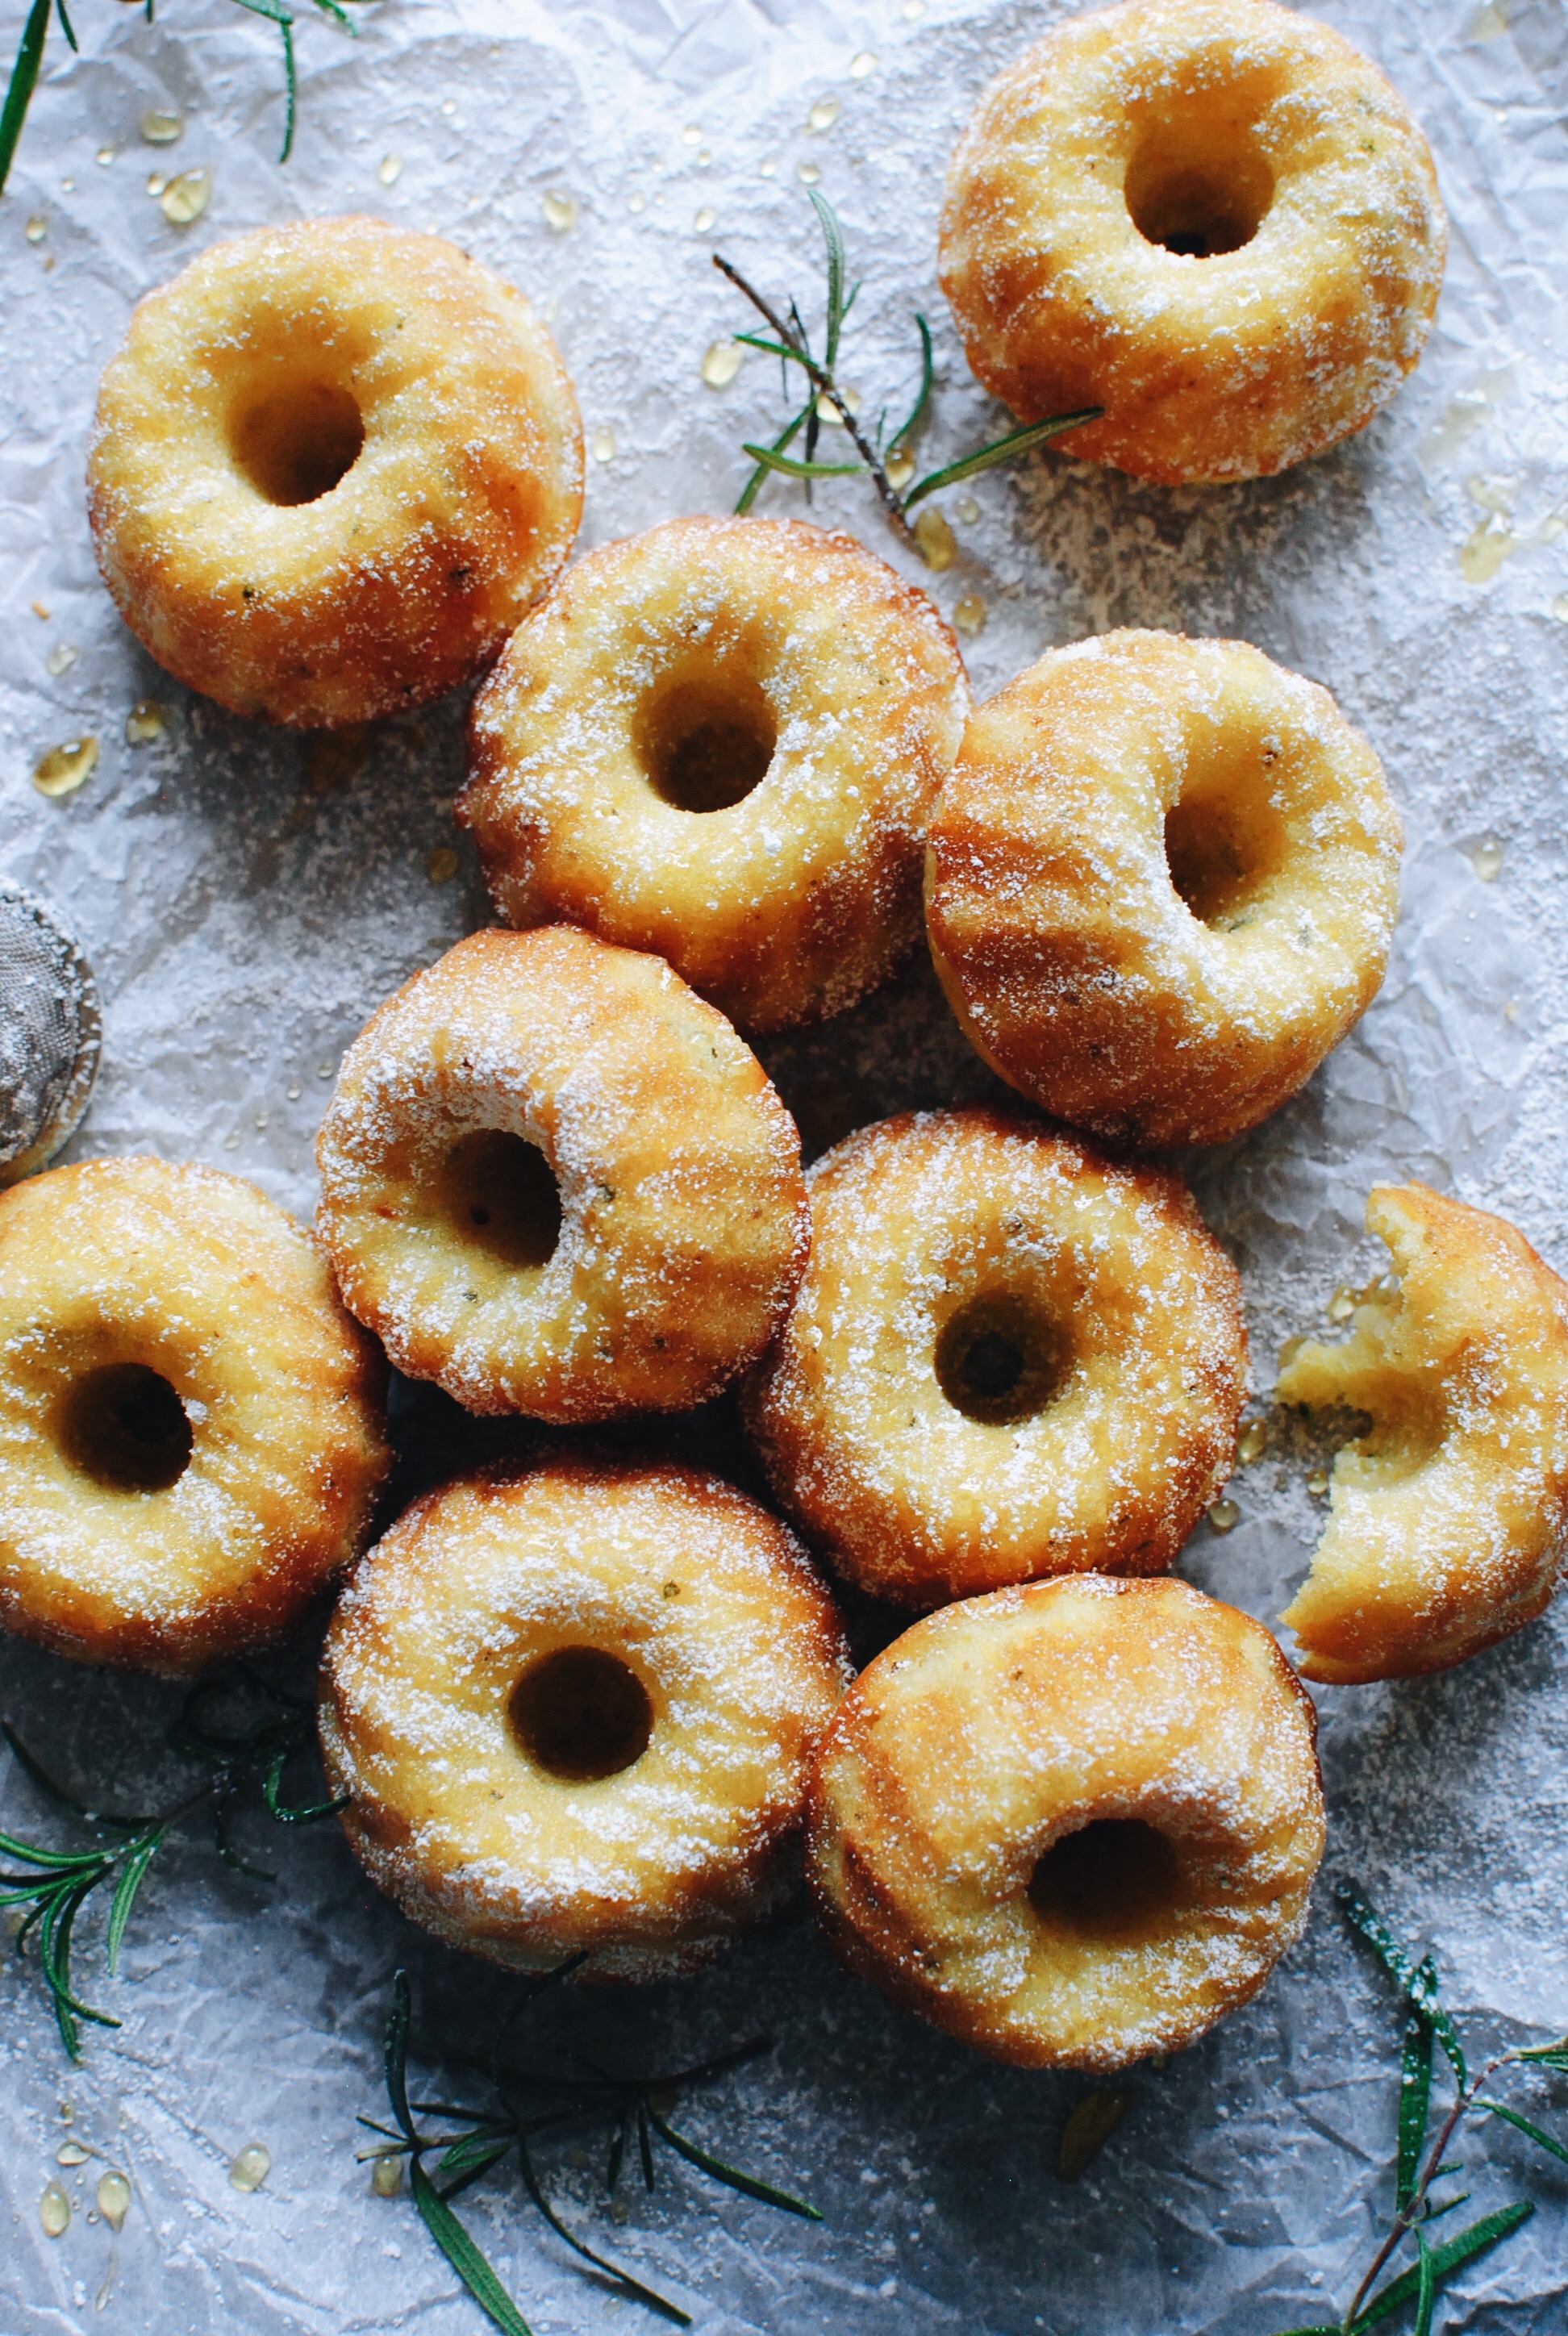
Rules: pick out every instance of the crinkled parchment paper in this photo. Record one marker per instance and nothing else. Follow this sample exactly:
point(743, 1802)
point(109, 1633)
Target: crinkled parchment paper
point(246, 907)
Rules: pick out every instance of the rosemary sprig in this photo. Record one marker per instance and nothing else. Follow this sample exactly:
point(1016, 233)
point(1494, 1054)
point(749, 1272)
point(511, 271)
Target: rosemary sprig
point(55, 1884)
point(530, 2102)
point(29, 61)
point(1419, 2165)
point(791, 343)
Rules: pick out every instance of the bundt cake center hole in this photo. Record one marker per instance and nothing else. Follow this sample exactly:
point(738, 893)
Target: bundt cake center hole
point(705, 741)
point(124, 1426)
point(1001, 1359)
point(295, 444)
point(1198, 189)
point(502, 1195)
point(1223, 850)
point(581, 1714)
point(1113, 1879)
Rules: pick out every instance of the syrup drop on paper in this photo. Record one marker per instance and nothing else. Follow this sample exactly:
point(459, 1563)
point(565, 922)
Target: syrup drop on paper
point(1486, 859)
point(1252, 1443)
point(863, 65)
point(900, 467)
point(251, 2166)
point(54, 2212)
point(721, 364)
point(390, 170)
point(146, 721)
point(935, 539)
point(560, 210)
point(114, 2199)
point(64, 769)
point(604, 446)
point(36, 229)
point(185, 197)
point(1224, 1516)
point(161, 128)
point(969, 616)
point(707, 216)
point(824, 113)
point(808, 173)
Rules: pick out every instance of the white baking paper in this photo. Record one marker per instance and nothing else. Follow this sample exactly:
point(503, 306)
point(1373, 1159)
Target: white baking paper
point(245, 916)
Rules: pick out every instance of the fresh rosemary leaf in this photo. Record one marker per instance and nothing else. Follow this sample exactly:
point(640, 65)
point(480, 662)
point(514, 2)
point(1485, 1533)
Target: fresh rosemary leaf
point(771, 460)
point(1420, 1983)
point(277, 13)
point(54, 1858)
point(643, 2145)
point(928, 376)
point(395, 2054)
point(833, 235)
point(1425, 2286)
point(786, 436)
point(769, 348)
point(747, 2184)
point(1533, 2132)
point(131, 1874)
point(461, 2252)
point(311, 1814)
point(624, 2279)
point(1089, 2126)
point(1463, 2248)
point(1550, 2056)
point(1318, 2328)
point(474, 2167)
point(338, 16)
point(1415, 2096)
point(1435, 2214)
point(1001, 450)
point(54, 1959)
point(67, 29)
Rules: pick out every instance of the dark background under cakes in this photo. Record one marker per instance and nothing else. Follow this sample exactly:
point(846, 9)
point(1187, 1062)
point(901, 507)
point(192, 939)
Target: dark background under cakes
point(245, 910)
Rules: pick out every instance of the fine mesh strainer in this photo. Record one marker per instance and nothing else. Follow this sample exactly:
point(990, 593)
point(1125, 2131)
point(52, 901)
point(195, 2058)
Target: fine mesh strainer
point(51, 1032)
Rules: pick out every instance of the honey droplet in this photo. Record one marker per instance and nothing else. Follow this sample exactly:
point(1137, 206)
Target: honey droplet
point(969, 616)
point(390, 170)
point(863, 65)
point(156, 182)
point(704, 158)
point(828, 412)
point(104, 156)
point(442, 865)
point(160, 128)
point(707, 216)
point(768, 167)
point(64, 769)
point(638, 202)
point(333, 757)
point(1342, 1304)
point(449, 106)
point(935, 539)
point(968, 509)
point(1487, 21)
point(913, 10)
point(39, 609)
point(386, 2176)
point(603, 444)
point(900, 467)
point(61, 658)
point(251, 2166)
point(1224, 1516)
point(72, 2152)
point(55, 2210)
point(185, 197)
point(560, 210)
point(824, 113)
point(721, 363)
point(691, 135)
point(1487, 859)
point(36, 229)
point(808, 173)
point(1317, 1482)
point(1252, 1443)
point(146, 721)
point(113, 2198)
